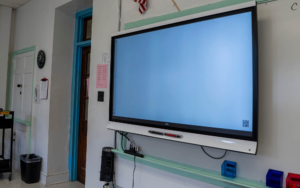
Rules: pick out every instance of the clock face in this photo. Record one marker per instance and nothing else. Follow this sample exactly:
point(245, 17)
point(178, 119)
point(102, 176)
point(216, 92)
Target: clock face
point(41, 59)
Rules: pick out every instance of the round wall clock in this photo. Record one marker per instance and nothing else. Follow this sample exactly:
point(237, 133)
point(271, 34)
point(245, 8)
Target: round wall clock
point(41, 59)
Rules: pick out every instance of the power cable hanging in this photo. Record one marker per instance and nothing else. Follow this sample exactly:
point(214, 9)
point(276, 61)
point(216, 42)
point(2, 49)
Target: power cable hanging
point(212, 156)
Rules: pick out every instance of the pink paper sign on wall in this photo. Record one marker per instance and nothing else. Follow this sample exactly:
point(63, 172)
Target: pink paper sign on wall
point(102, 71)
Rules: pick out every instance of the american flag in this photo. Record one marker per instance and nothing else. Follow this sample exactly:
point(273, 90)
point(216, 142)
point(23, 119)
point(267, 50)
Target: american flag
point(143, 5)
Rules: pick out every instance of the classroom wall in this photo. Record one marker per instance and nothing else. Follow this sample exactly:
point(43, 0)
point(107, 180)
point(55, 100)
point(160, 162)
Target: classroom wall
point(5, 32)
point(130, 11)
point(105, 21)
point(35, 26)
point(278, 101)
point(50, 25)
point(60, 106)
point(5, 26)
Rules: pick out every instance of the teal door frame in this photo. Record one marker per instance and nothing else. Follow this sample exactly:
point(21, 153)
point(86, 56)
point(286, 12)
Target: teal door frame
point(76, 84)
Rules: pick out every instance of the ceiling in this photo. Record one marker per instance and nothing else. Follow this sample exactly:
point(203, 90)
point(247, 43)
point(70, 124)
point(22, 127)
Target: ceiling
point(13, 3)
point(75, 6)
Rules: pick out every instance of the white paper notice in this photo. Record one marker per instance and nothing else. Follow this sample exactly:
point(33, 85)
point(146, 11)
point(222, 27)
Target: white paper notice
point(37, 94)
point(44, 90)
point(105, 58)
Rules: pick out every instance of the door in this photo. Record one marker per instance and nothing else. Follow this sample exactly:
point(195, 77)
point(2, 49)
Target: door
point(83, 123)
point(21, 100)
point(21, 104)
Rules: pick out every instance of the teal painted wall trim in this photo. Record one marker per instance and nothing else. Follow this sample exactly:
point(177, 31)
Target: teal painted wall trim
point(76, 84)
point(13, 54)
point(21, 121)
point(124, 141)
point(188, 12)
point(22, 51)
point(264, 1)
point(200, 174)
point(192, 172)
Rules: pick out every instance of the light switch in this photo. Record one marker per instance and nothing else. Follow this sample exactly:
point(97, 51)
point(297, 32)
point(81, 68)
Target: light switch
point(100, 96)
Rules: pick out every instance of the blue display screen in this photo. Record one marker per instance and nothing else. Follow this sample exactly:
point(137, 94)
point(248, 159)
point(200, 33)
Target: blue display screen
point(198, 74)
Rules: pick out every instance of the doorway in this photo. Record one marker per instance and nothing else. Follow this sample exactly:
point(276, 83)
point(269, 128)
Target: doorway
point(83, 117)
point(20, 101)
point(79, 100)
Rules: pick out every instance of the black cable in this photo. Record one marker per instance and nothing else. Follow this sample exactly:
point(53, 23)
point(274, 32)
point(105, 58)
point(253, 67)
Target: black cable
point(212, 156)
point(122, 142)
point(115, 144)
point(123, 135)
point(133, 172)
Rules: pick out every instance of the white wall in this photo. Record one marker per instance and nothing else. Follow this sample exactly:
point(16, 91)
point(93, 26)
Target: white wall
point(5, 33)
point(35, 26)
point(105, 21)
point(5, 25)
point(279, 92)
point(60, 106)
point(130, 11)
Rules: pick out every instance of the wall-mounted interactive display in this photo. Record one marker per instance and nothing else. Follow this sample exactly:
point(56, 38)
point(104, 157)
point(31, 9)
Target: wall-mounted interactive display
point(195, 77)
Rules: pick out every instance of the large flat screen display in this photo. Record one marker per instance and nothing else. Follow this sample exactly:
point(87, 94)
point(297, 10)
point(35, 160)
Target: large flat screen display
point(197, 76)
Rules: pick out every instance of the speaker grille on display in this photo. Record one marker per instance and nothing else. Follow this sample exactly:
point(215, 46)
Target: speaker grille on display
point(107, 165)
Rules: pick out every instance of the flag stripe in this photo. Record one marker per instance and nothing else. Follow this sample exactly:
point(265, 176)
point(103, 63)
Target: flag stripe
point(143, 5)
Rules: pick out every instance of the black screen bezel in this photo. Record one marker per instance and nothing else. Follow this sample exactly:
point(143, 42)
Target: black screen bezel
point(192, 128)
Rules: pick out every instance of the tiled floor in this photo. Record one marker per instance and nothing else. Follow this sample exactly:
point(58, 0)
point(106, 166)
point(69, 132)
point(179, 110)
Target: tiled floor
point(16, 182)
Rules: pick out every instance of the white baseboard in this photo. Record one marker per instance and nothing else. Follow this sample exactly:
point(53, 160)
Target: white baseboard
point(43, 178)
point(50, 179)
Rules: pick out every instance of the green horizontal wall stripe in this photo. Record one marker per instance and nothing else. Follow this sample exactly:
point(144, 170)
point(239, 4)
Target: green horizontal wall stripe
point(21, 121)
point(192, 172)
point(22, 51)
point(264, 1)
point(188, 12)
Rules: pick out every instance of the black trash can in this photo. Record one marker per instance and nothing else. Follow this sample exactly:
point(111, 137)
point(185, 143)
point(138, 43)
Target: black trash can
point(30, 168)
